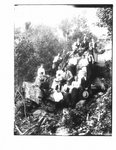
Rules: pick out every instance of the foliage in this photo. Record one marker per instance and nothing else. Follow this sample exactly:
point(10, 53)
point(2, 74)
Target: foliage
point(89, 117)
point(66, 26)
point(24, 61)
point(106, 18)
point(35, 46)
point(39, 45)
point(46, 45)
point(73, 29)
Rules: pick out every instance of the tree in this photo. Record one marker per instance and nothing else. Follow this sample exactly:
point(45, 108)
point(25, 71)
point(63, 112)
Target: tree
point(27, 25)
point(65, 26)
point(105, 16)
point(73, 29)
point(24, 57)
point(37, 45)
point(46, 45)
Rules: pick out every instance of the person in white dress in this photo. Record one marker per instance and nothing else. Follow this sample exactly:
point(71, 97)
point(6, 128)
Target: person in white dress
point(40, 75)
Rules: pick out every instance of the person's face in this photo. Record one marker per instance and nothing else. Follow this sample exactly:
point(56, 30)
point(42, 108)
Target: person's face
point(78, 40)
point(41, 65)
point(84, 38)
point(65, 69)
point(92, 40)
point(58, 68)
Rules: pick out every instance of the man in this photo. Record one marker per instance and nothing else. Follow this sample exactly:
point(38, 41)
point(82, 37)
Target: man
point(72, 62)
point(93, 50)
point(56, 61)
point(76, 46)
point(96, 51)
point(68, 76)
point(57, 81)
point(59, 73)
point(85, 44)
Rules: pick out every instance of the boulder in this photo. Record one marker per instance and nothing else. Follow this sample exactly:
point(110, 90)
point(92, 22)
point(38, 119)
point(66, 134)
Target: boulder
point(80, 103)
point(39, 113)
point(63, 131)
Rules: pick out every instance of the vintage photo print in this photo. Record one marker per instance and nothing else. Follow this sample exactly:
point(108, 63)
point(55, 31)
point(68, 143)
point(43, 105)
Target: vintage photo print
point(63, 69)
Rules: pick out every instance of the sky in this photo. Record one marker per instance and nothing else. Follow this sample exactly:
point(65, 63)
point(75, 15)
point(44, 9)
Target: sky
point(52, 15)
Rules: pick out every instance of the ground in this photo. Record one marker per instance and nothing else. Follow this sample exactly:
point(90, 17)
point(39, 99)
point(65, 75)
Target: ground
point(88, 118)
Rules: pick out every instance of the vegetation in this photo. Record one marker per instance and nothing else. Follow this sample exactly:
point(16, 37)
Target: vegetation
point(38, 45)
point(105, 15)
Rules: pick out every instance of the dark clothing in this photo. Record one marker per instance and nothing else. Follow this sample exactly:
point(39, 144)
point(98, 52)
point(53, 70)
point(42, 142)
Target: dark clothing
point(93, 51)
point(95, 56)
point(96, 46)
point(64, 61)
point(72, 68)
point(78, 45)
point(85, 45)
point(76, 50)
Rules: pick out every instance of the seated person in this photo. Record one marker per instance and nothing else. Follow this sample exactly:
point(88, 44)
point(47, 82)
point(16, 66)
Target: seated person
point(57, 81)
point(40, 75)
point(72, 65)
point(72, 61)
point(57, 60)
point(41, 71)
point(85, 44)
point(55, 85)
point(82, 75)
point(83, 62)
point(76, 45)
point(79, 78)
point(75, 84)
point(68, 77)
point(59, 74)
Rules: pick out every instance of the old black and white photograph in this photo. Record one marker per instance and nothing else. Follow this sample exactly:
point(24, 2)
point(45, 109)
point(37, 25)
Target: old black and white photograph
point(63, 69)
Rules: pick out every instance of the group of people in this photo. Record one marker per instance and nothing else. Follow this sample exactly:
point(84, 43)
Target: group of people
point(75, 72)
point(85, 46)
point(65, 79)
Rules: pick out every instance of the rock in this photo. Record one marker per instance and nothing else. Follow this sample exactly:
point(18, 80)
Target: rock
point(80, 103)
point(32, 92)
point(39, 113)
point(100, 93)
point(62, 131)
